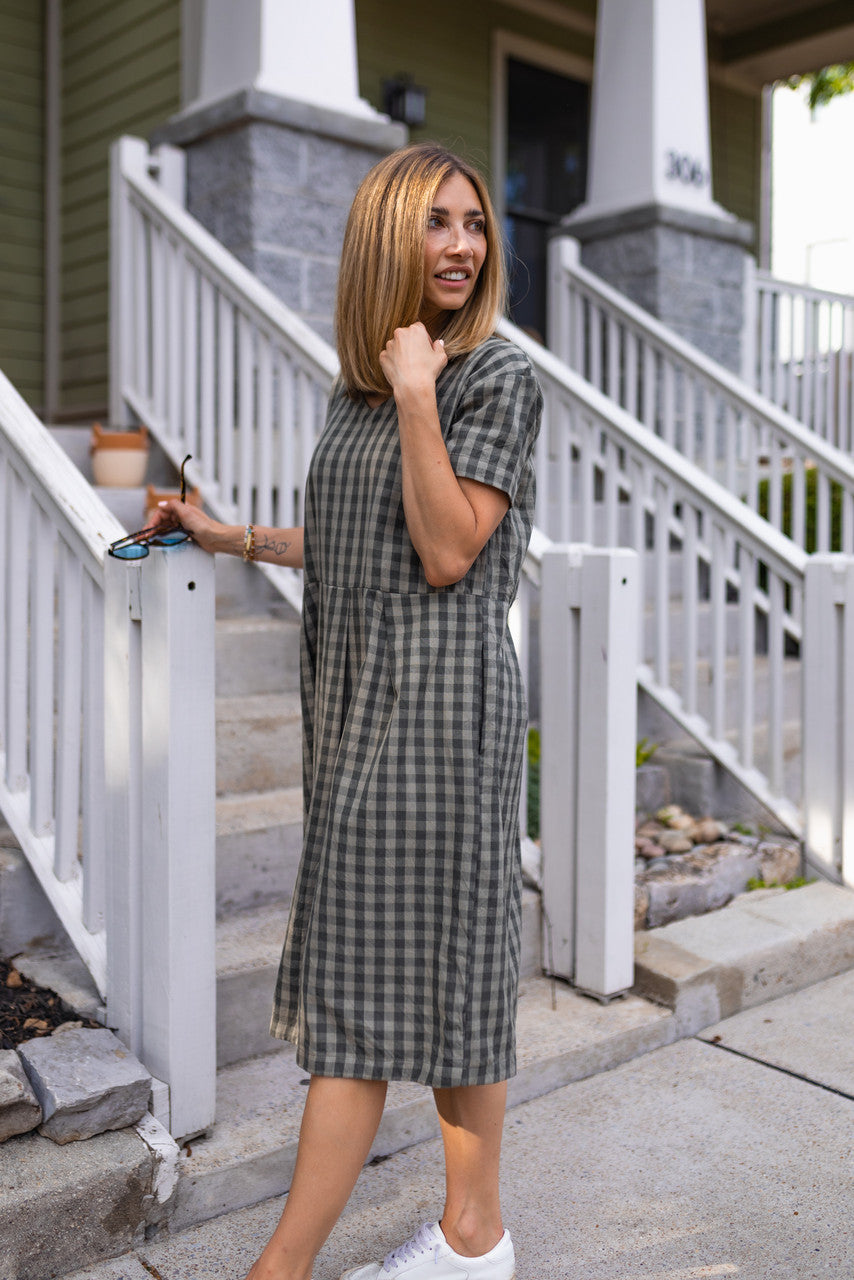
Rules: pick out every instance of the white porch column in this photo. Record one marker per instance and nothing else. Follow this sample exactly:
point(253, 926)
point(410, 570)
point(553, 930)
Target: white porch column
point(649, 141)
point(650, 226)
point(305, 51)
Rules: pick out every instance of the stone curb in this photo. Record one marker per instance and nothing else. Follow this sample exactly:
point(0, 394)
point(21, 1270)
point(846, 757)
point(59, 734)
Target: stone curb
point(20, 1110)
point(760, 946)
point(84, 1082)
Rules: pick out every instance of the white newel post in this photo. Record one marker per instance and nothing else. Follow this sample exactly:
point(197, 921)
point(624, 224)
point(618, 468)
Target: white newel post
point(828, 732)
point(588, 643)
point(161, 745)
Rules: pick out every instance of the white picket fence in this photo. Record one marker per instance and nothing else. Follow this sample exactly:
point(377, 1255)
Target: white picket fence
point(804, 356)
point(106, 762)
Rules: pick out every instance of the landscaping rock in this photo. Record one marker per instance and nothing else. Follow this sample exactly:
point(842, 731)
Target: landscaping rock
point(19, 1107)
point(650, 830)
point(675, 841)
point(87, 1082)
point(707, 830)
point(779, 863)
point(648, 848)
point(706, 878)
point(641, 906)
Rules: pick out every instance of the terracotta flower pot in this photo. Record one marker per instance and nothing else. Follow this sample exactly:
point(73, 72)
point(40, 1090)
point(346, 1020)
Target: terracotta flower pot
point(154, 496)
point(119, 458)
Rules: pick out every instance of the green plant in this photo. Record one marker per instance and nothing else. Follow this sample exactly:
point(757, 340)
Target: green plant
point(810, 509)
point(533, 792)
point(797, 882)
point(644, 751)
point(828, 83)
point(742, 829)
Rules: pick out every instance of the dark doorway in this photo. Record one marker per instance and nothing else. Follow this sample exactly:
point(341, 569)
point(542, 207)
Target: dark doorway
point(547, 128)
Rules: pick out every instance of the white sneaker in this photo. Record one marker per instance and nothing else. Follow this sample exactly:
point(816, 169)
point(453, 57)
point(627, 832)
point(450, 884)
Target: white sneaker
point(428, 1256)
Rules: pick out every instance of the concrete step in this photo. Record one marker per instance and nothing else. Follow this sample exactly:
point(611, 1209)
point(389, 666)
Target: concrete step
point(65, 1207)
point(762, 945)
point(258, 743)
point(258, 844)
point(256, 655)
point(250, 1154)
point(242, 590)
point(249, 945)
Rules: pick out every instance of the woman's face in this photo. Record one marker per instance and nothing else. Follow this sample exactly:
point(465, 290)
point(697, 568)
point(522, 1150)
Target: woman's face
point(454, 251)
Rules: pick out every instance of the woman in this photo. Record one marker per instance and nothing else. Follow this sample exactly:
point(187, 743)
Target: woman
point(402, 949)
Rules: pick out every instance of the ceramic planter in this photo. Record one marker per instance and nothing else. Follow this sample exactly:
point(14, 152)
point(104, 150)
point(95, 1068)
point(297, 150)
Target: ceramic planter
point(119, 458)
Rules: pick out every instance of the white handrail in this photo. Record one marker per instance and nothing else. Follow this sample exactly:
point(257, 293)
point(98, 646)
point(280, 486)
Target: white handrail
point(86, 762)
point(211, 360)
point(606, 480)
point(805, 355)
point(55, 533)
point(799, 482)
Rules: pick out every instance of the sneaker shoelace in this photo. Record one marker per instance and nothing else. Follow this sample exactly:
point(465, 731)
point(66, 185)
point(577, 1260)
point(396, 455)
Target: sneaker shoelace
point(423, 1242)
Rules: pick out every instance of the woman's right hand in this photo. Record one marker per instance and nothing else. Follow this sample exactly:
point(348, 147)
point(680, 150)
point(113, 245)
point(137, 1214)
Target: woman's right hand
point(272, 546)
point(206, 532)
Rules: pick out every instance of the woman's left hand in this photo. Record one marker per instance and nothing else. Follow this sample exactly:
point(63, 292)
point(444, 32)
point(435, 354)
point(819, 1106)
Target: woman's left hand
point(412, 361)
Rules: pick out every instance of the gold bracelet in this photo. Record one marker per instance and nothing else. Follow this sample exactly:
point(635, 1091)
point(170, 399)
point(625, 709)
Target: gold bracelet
point(249, 543)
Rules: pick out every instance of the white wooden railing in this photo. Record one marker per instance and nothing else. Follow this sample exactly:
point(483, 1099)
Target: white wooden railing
point(799, 482)
point(106, 762)
point(804, 355)
point(210, 359)
point(722, 590)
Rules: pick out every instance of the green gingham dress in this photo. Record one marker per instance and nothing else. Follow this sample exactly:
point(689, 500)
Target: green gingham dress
point(401, 957)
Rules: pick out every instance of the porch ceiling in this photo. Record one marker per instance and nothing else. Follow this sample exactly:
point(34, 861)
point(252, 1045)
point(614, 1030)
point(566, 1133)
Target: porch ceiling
point(765, 40)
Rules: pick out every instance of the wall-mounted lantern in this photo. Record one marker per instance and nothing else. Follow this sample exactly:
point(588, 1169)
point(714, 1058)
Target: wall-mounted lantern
point(404, 100)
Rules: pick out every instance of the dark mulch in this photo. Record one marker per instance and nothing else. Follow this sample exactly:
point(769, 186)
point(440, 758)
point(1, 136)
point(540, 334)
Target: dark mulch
point(27, 1010)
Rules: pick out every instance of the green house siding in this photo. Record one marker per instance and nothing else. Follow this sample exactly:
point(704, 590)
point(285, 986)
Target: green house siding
point(22, 196)
point(121, 72)
point(447, 47)
point(736, 129)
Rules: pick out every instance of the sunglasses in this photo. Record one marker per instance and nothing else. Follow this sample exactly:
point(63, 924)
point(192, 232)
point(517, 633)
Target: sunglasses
point(134, 546)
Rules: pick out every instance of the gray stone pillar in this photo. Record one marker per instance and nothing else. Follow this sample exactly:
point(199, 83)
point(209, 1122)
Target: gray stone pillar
point(273, 178)
point(687, 269)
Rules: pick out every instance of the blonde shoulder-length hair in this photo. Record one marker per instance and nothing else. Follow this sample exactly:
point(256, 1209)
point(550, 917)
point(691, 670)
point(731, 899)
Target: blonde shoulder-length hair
point(381, 278)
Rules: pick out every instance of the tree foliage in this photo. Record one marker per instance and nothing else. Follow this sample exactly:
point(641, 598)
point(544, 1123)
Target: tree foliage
point(825, 85)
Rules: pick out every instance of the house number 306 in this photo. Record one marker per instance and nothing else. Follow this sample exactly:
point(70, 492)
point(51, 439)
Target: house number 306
point(685, 169)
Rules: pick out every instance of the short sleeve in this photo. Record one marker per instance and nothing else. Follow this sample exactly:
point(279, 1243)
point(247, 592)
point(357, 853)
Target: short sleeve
point(496, 419)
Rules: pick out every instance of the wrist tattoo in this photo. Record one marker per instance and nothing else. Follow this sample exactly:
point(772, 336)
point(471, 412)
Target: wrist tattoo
point(277, 546)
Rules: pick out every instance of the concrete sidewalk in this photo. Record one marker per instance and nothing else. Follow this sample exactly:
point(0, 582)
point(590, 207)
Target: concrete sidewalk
point(729, 1154)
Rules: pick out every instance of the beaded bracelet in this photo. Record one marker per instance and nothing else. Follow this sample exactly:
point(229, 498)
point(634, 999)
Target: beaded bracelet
point(249, 543)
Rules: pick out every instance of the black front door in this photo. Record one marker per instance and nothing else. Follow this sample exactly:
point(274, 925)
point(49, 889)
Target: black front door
point(547, 128)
